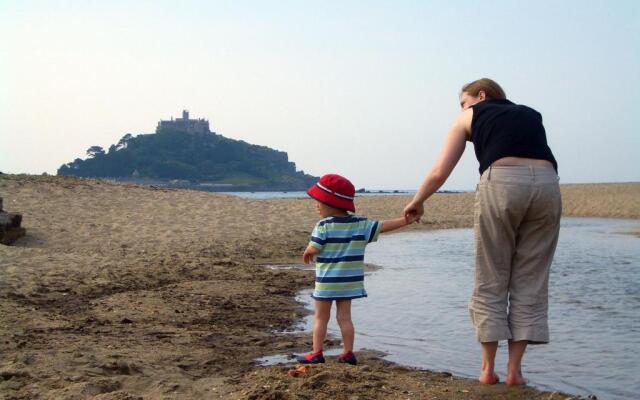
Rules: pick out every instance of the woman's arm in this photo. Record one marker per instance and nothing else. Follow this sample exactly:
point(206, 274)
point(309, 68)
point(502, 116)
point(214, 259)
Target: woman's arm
point(449, 156)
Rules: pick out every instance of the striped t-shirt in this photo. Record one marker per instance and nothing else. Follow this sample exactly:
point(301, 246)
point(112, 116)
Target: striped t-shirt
point(340, 263)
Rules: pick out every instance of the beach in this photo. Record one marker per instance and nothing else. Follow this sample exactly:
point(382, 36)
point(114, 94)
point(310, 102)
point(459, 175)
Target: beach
point(127, 292)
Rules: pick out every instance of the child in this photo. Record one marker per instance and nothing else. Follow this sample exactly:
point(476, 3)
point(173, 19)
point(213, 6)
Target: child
point(338, 241)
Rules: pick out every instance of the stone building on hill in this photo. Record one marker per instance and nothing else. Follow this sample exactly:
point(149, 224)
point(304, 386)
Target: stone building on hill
point(184, 124)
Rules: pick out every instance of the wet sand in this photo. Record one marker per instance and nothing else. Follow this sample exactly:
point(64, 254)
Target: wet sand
point(128, 292)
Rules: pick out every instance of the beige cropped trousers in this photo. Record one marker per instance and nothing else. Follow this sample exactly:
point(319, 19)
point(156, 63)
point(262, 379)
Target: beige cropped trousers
point(516, 222)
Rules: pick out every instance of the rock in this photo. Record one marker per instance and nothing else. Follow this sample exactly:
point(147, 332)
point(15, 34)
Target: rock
point(28, 359)
point(10, 220)
point(8, 236)
point(100, 386)
point(10, 229)
point(120, 368)
point(9, 373)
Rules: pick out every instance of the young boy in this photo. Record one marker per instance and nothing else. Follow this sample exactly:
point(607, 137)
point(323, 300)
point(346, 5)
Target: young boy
point(337, 243)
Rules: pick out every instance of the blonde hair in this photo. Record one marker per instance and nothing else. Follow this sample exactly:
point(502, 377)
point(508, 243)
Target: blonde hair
point(490, 88)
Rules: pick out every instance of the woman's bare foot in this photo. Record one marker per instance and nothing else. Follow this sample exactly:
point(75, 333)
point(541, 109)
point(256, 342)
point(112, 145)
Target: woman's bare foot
point(488, 378)
point(515, 379)
point(514, 370)
point(487, 374)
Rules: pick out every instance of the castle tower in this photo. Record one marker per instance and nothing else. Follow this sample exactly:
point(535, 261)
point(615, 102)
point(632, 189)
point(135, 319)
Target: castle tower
point(185, 124)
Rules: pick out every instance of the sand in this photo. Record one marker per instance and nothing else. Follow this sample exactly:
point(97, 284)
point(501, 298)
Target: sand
point(128, 292)
point(611, 200)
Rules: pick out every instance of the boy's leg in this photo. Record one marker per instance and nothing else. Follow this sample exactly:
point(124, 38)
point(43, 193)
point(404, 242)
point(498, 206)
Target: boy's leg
point(343, 315)
point(322, 315)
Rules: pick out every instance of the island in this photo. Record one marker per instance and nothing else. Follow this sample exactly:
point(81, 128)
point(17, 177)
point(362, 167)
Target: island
point(185, 153)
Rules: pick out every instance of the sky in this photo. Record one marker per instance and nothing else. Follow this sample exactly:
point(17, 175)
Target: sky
point(366, 89)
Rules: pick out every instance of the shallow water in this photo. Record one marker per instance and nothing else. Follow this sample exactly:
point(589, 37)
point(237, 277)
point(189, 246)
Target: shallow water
point(417, 308)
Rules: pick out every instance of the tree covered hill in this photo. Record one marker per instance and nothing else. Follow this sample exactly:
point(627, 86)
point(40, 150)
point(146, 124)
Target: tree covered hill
point(209, 158)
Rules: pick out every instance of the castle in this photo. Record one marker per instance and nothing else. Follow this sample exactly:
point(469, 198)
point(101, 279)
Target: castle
point(185, 124)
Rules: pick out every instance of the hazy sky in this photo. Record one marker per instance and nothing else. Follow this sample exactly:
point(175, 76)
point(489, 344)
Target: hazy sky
point(367, 89)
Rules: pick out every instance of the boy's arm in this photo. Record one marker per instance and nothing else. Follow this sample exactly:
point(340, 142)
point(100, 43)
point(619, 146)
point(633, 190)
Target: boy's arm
point(393, 224)
point(309, 253)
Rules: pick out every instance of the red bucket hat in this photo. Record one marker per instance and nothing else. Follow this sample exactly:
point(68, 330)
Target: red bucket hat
point(335, 191)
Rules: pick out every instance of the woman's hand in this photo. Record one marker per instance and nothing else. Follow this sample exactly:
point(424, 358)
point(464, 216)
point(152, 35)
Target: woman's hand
point(413, 211)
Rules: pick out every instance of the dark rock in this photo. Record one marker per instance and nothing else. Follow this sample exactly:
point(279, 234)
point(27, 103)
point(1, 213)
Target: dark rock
point(11, 220)
point(10, 229)
point(100, 387)
point(120, 367)
point(9, 236)
point(9, 373)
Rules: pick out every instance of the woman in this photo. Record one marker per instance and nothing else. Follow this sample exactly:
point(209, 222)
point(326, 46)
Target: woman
point(516, 220)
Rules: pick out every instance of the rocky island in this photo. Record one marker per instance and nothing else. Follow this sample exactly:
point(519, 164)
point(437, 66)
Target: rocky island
point(185, 153)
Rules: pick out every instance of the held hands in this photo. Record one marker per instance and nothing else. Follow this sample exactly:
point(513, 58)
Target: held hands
point(411, 218)
point(413, 211)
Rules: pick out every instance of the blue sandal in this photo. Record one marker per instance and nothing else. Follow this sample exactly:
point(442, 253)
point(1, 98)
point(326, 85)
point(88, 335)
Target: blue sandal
point(348, 358)
point(311, 358)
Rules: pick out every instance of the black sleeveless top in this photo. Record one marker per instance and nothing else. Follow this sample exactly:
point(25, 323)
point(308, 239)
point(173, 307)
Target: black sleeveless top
point(500, 128)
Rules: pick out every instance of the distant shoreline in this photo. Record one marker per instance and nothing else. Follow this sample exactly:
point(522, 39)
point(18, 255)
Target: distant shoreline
point(230, 188)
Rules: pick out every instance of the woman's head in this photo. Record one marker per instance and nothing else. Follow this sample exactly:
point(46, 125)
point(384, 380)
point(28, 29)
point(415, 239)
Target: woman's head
point(480, 90)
